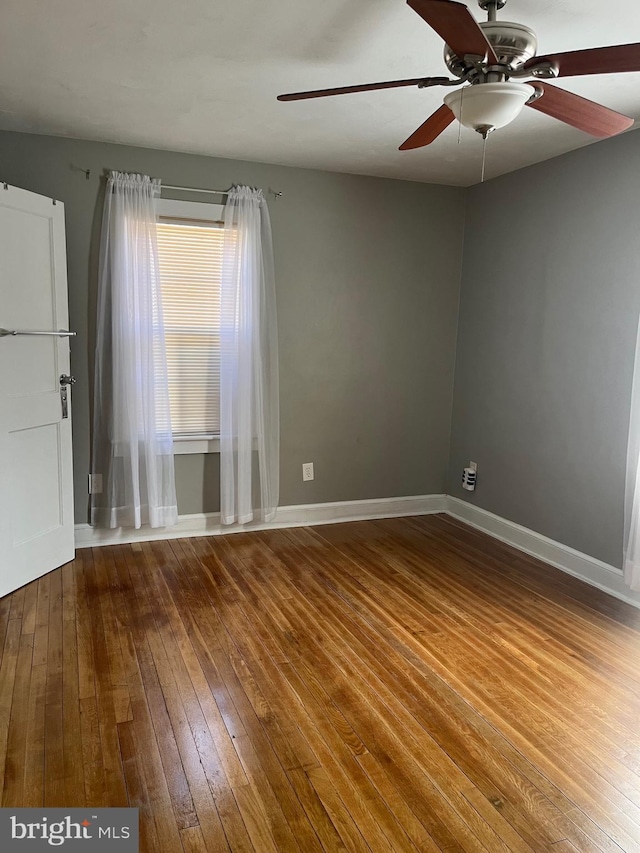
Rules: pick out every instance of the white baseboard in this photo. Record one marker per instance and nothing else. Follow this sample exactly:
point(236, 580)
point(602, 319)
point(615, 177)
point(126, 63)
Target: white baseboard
point(595, 572)
point(592, 571)
point(305, 515)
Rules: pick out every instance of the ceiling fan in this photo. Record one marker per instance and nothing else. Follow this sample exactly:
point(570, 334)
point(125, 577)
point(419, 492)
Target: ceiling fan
point(488, 59)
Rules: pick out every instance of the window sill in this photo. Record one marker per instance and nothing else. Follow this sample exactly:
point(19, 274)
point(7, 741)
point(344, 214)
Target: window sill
point(183, 444)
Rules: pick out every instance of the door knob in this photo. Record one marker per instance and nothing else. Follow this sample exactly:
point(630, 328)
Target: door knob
point(67, 380)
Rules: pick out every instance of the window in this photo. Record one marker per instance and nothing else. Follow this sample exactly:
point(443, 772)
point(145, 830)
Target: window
point(190, 244)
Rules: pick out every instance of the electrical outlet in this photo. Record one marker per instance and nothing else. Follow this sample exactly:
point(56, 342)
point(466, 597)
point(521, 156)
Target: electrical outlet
point(307, 471)
point(95, 484)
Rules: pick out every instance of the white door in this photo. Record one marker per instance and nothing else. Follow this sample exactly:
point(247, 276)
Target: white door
point(36, 490)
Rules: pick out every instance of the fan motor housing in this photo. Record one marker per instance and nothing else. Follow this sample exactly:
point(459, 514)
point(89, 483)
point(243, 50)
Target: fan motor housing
point(513, 44)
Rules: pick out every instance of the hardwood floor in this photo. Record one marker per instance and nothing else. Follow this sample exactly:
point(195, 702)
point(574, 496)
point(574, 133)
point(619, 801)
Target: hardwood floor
point(397, 685)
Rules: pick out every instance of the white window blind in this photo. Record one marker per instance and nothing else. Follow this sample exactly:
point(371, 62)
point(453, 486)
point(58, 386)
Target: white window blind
point(190, 256)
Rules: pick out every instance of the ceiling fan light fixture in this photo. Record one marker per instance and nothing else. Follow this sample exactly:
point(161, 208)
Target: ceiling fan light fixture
point(488, 105)
point(494, 54)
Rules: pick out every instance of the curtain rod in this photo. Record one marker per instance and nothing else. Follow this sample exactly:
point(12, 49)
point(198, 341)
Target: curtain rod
point(193, 189)
point(276, 193)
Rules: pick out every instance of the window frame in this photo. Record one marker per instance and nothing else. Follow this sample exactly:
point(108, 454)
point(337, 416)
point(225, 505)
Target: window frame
point(171, 208)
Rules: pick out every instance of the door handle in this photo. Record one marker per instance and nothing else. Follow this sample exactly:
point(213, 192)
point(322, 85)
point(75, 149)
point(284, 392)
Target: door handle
point(65, 379)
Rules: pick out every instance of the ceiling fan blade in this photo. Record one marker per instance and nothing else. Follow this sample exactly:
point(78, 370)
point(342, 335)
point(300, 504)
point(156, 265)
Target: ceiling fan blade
point(345, 90)
point(579, 112)
point(456, 25)
point(598, 60)
point(430, 130)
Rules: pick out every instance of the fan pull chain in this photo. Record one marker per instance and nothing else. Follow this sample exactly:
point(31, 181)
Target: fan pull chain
point(484, 155)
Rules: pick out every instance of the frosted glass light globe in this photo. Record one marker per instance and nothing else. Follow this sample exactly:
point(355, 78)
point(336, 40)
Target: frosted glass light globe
point(488, 106)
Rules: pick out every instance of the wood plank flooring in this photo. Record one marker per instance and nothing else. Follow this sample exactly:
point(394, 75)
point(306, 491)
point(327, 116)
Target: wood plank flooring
point(395, 685)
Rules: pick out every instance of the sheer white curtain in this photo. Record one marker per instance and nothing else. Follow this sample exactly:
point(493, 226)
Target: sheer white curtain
point(249, 407)
point(632, 487)
point(132, 443)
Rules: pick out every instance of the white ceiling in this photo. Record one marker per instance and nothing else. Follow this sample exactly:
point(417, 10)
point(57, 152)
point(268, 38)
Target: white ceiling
point(202, 76)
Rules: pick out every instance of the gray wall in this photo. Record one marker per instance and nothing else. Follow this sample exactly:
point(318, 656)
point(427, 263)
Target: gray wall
point(549, 309)
point(367, 287)
point(368, 277)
